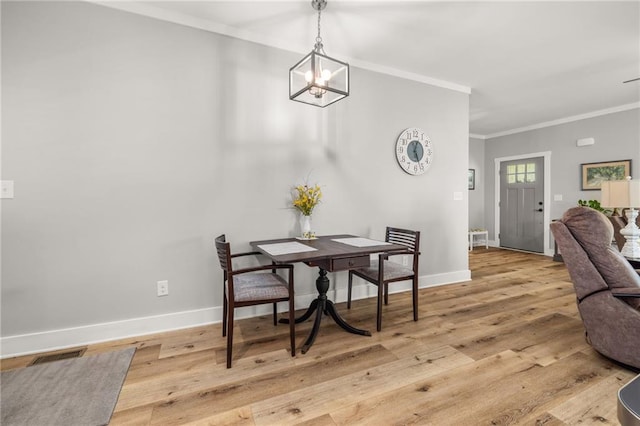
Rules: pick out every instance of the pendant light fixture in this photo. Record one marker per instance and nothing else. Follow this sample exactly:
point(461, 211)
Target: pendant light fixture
point(318, 79)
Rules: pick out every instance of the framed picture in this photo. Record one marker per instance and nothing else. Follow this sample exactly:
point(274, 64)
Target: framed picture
point(472, 178)
point(593, 174)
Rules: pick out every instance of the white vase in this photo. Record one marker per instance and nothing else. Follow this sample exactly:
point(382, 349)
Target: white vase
point(305, 226)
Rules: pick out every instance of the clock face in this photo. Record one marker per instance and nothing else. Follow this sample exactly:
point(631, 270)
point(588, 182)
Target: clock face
point(414, 151)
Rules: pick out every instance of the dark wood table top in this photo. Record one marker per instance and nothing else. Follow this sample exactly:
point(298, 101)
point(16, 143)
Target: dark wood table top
point(325, 248)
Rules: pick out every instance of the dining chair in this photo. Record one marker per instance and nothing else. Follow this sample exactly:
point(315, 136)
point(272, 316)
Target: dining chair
point(382, 271)
point(252, 286)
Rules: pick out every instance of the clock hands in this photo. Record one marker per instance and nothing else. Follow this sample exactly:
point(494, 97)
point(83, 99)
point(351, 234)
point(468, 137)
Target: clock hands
point(412, 151)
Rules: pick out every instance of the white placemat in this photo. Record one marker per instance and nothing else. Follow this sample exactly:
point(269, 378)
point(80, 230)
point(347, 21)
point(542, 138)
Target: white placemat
point(360, 242)
point(277, 249)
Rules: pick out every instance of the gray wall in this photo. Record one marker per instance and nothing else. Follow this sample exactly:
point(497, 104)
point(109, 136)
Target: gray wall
point(476, 196)
point(133, 142)
point(617, 137)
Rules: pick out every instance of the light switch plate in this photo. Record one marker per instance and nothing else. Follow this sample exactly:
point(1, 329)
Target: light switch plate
point(6, 189)
point(163, 288)
point(457, 196)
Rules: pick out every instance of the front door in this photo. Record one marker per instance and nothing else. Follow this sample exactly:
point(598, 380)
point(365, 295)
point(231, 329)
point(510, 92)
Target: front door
point(521, 204)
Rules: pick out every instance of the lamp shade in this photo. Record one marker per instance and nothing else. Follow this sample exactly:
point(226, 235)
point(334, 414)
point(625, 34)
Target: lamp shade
point(620, 193)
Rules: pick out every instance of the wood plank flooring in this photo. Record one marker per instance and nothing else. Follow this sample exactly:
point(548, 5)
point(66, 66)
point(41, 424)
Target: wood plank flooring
point(507, 347)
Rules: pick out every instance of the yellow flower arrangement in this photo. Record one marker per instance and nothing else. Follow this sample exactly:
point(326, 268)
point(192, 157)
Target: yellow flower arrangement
point(306, 198)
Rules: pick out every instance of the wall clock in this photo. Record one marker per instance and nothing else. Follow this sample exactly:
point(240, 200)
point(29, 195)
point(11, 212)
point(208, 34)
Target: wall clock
point(414, 151)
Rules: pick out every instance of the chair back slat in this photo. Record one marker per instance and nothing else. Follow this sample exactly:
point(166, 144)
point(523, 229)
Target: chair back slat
point(224, 253)
point(405, 237)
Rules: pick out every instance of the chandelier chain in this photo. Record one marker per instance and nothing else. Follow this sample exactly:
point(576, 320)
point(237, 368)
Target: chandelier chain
point(319, 47)
point(319, 38)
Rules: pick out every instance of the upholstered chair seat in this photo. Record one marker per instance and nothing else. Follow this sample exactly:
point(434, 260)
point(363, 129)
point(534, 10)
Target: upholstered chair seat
point(254, 287)
point(392, 270)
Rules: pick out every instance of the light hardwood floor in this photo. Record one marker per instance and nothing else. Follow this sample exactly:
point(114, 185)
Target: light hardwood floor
point(507, 347)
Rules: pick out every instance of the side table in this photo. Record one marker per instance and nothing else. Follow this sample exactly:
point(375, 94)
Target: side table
point(473, 234)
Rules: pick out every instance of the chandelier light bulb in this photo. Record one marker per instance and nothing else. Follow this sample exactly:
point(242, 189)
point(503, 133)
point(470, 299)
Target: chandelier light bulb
point(308, 76)
point(320, 80)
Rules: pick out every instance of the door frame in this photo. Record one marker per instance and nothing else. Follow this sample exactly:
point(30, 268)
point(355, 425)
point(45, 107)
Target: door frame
point(547, 195)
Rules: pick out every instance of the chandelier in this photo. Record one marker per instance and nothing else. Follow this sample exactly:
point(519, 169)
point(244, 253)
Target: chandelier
point(318, 79)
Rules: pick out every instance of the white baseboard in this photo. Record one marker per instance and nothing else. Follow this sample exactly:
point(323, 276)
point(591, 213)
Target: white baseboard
point(547, 252)
point(51, 340)
point(25, 344)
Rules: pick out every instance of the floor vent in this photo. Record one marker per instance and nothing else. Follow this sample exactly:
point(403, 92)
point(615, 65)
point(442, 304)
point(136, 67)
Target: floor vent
point(76, 353)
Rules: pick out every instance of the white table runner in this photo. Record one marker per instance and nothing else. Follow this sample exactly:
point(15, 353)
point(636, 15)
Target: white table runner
point(360, 242)
point(277, 249)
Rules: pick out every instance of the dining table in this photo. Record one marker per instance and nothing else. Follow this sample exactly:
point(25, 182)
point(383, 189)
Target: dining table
point(329, 253)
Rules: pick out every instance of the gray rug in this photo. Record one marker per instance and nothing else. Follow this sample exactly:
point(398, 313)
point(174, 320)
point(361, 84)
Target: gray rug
point(80, 391)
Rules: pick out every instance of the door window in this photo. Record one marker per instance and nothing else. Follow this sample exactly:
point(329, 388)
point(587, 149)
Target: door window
point(521, 173)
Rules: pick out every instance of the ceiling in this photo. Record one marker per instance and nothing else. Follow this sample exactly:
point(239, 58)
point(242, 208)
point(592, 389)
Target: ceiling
point(526, 64)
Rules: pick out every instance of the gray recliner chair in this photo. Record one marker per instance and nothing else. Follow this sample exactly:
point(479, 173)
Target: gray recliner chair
point(607, 287)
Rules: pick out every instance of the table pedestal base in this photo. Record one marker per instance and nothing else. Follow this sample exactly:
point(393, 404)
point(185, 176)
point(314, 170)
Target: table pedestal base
point(321, 306)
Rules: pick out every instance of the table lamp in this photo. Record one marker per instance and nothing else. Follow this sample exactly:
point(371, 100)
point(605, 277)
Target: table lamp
point(625, 194)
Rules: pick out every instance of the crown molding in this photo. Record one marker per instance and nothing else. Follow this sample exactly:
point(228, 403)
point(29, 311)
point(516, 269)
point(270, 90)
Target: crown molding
point(570, 119)
point(148, 10)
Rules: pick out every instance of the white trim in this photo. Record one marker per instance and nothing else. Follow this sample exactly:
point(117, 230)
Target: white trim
point(150, 11)
point(409, 76)
point(141, 8)
point(145, 9)
point(436, 280)
point(84, 335)
point(547, 195)
point(31, 343)
point(565, 120)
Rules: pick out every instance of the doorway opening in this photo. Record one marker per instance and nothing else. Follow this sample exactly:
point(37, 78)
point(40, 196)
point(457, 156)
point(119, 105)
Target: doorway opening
point(522, 202)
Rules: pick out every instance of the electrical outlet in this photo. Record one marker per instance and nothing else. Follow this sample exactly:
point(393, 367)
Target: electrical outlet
point(405, 260)
point(163, 288)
